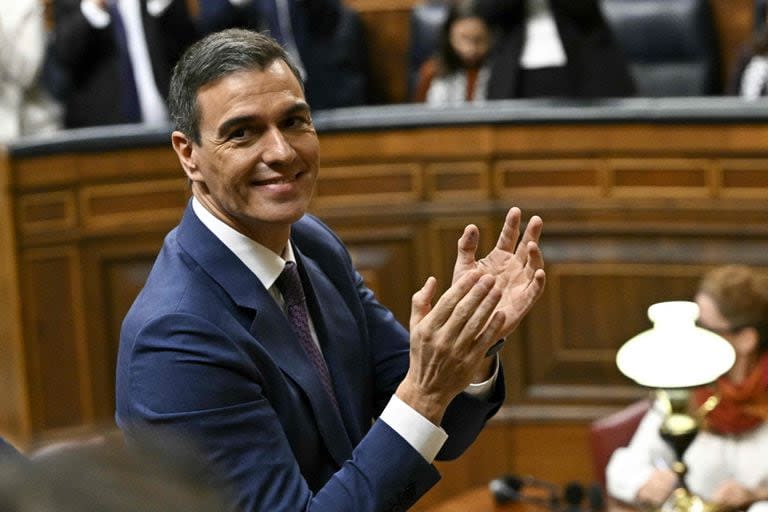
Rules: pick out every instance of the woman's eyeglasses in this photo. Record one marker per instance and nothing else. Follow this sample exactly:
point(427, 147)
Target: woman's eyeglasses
point(722, 331)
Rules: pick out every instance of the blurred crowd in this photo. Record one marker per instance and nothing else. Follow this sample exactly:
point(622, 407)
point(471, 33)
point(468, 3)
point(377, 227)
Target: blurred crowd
point(79, 63)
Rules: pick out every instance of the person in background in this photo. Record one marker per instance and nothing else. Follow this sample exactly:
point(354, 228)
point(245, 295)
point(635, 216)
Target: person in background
point(118, 56)
point(324, 38)
point(26, 108)
point(728, 460)
point(255, 336)
point(750, 74)
point(458, 72)
point(554, 48)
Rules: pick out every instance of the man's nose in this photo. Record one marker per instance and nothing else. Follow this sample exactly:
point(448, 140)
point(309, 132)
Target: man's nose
point(276, 148)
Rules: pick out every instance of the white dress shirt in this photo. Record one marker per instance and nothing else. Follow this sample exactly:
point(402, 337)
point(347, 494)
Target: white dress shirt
point(543, 47)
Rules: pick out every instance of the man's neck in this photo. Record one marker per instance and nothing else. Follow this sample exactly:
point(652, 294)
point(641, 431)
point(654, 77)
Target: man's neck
point(272, 237)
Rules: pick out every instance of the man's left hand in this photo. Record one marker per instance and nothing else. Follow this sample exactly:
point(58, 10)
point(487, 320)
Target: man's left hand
point(518, 267)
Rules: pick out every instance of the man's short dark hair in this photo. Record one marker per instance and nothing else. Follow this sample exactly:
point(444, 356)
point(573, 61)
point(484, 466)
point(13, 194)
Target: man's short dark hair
point(211, 58)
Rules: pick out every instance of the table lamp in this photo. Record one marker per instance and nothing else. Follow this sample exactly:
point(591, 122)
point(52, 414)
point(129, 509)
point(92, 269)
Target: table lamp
point(673, 357)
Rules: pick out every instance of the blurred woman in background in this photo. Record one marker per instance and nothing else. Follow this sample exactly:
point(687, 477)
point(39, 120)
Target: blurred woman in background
point(728, 461)
point(458, 72)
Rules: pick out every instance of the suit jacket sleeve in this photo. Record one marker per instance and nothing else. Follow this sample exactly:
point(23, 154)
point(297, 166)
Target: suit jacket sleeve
point(202, 392)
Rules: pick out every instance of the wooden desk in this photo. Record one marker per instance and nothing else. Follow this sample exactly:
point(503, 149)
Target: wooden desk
point(480, 499)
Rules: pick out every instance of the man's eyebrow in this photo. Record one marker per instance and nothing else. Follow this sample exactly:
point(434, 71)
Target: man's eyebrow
point(232, 122)
point(300, 107)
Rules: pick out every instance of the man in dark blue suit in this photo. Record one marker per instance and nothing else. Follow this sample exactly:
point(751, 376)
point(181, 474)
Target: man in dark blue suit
point(324, 38)
point(338, 408)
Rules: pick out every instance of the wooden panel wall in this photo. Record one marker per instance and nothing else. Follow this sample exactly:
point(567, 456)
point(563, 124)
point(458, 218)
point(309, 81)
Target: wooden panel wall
point(634, 213)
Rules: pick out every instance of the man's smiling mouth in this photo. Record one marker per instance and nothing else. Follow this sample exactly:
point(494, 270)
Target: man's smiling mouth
point(278, 180)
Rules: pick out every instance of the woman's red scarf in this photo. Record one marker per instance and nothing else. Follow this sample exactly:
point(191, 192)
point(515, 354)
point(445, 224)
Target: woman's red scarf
point(742, 406)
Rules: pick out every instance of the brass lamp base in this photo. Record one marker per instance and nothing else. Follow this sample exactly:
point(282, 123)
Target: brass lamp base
point(682, 500)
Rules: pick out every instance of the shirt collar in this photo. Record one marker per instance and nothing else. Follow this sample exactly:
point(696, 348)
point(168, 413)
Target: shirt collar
point(264, 263)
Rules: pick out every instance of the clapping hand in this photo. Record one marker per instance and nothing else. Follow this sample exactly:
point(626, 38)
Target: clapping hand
point(518, 267)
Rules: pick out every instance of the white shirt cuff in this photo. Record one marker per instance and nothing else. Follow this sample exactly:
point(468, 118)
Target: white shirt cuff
point(96, 16)
point(425, 437)
point(482, 390)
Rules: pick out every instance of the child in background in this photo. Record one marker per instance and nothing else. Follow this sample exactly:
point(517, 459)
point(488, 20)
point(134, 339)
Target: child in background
point(459, 71)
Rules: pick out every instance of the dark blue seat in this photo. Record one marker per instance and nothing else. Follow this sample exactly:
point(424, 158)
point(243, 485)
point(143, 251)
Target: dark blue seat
point(759, 16)
point(671, 45)
point(7, 451)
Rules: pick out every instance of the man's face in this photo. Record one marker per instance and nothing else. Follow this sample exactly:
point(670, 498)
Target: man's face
point(257, 161)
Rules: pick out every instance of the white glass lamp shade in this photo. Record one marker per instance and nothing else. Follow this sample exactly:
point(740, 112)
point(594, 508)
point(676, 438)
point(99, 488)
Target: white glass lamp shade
point(675, 353)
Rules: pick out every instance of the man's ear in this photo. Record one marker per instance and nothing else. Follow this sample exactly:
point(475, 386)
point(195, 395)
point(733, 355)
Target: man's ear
point(185, 150)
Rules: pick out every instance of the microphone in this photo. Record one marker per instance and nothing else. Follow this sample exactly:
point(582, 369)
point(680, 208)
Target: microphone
point(573, 495)
point(508, 488)
point(595, 498)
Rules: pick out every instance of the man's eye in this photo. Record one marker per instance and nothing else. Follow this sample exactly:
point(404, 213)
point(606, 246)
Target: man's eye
point(238, 133)
point(297, 122)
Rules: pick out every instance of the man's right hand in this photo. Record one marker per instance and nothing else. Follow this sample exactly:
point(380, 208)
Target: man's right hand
point(658, 487)
point(449, 341)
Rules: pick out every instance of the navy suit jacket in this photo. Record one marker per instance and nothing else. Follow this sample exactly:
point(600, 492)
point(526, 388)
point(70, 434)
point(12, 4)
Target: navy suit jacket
point(206, 351)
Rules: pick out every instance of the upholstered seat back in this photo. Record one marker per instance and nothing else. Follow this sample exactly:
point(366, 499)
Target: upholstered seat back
point(761, 9)
point(671, 45)
point(611, 432)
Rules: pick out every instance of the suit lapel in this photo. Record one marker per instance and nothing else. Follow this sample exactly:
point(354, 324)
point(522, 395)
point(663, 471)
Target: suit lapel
point(273, 331)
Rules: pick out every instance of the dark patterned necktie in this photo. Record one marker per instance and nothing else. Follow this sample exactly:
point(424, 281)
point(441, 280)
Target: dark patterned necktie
point(289, 284)
point(131, 111)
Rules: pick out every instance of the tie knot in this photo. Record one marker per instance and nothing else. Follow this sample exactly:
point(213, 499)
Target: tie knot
point(289, 284)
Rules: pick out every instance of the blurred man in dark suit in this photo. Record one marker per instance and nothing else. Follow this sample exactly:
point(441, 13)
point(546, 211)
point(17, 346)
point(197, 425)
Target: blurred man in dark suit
point(118, 56)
